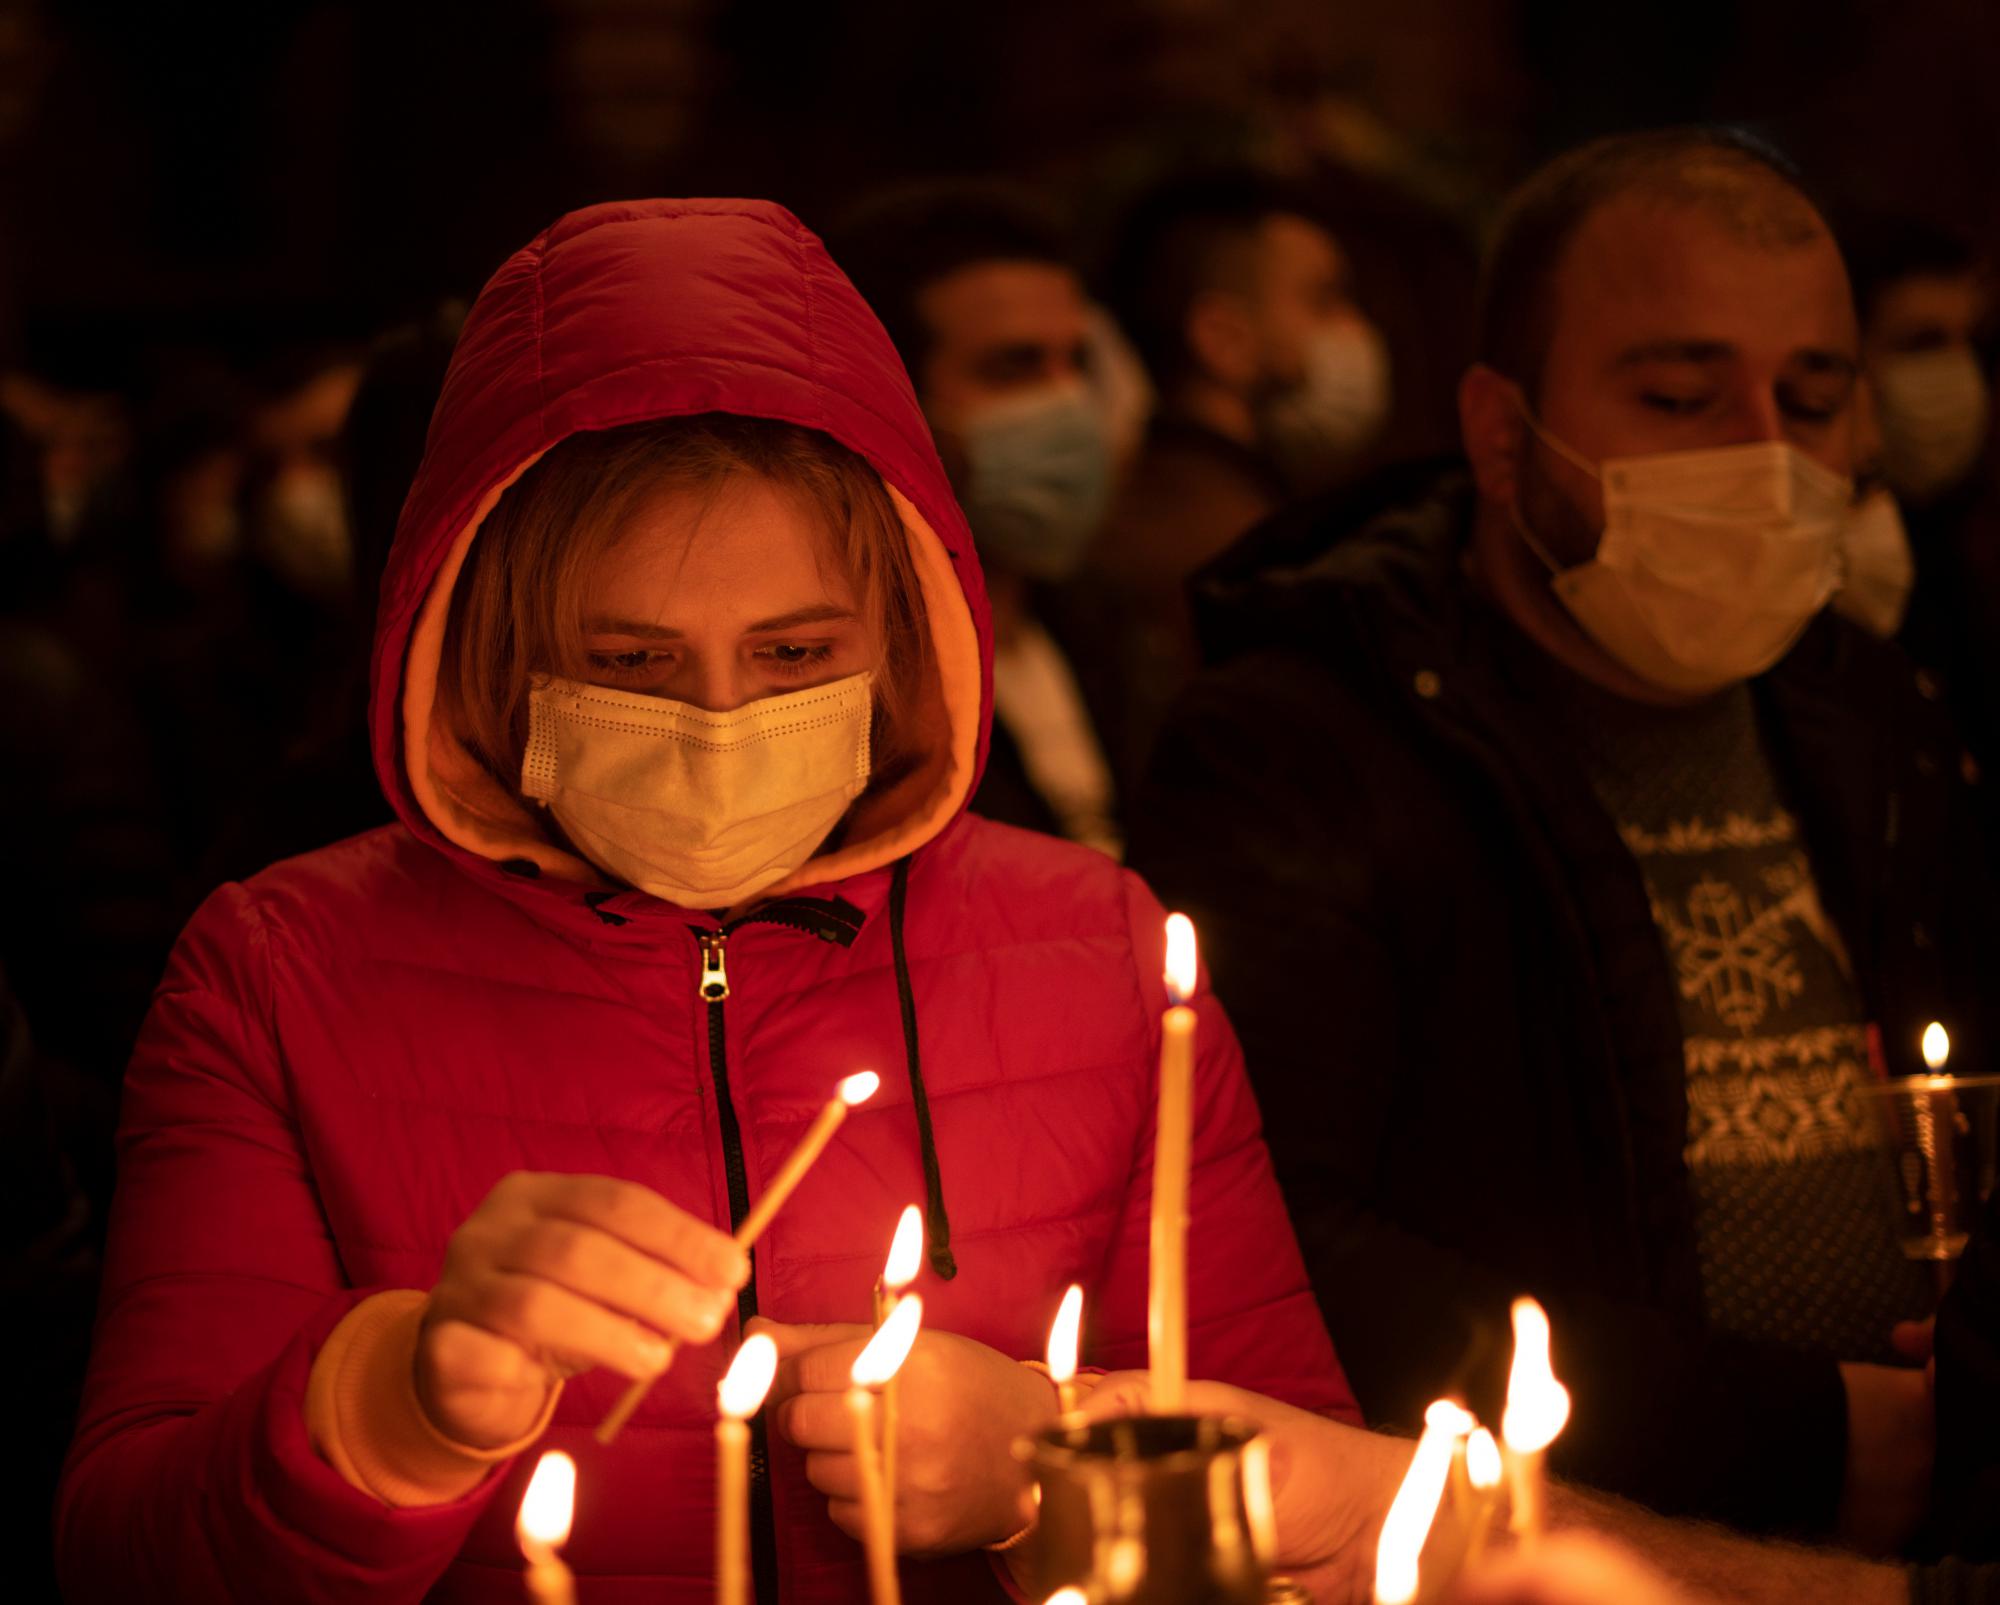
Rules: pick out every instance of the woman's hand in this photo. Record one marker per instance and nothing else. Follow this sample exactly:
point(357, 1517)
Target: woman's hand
point(958, 1485)
point(1331, 1484)
point(1570, 1569)
point(553, 1275)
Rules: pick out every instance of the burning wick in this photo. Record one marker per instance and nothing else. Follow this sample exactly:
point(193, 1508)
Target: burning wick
point(543, 1528)
point(1166, 1315)
point(1483, 1469)
point(1064, 1332)
point(1537, 1410)
point(855, 1089)
point(1937, 1048)
point(1411, 1513)
point(874, 1367)
point(739, 1397)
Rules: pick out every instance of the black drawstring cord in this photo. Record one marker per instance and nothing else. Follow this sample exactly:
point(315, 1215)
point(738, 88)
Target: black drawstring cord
point(937, 1224)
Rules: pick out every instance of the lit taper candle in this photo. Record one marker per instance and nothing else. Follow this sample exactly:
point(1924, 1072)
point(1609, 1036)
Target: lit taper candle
point(738, 1397)
point(1166, 1315)
point(1537, 1410)
point(542, 1527)
point(873, 1367)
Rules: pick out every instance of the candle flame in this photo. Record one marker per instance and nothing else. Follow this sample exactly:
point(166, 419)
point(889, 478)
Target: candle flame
point(1937, 1046)
point(748, 1378)
point(1482, 1460)
point(1410, 1516)
point(1181, 965)
point(1450, 1417)
point(1537, 1404)
point(890, 1346)
point(906, 1251)
point(859, 1087)
point(549, 1503)
point(1063, 1335)
point(1068, 1596)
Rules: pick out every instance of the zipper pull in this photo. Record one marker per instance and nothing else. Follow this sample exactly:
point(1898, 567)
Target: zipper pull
point(714, 977)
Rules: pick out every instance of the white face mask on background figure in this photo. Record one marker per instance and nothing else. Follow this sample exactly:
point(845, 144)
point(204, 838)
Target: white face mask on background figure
point(1340, 405)
point(701, 809)
point(1711, 564)
point(1881, 573)
point(1934, 407)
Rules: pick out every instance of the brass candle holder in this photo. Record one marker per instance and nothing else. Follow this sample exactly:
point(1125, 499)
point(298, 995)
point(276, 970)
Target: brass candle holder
point(1152, 1510)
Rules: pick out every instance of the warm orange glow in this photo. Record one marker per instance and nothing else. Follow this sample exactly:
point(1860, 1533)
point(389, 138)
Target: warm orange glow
point(1410, 1516)
point(1063, 1334)
point(1482, 1460)
point(1068, 1596)
point(859, 1087)
point(1181, 961)
point(906, 1251)
point(1450, 1417)
point(1537, 1404)
point(549, 1503)
point(890, 1346)
point(1937, 1046)
point(748, 1378)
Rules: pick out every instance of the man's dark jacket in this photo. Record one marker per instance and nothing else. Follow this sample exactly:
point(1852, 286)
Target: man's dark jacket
point(1458, 1013)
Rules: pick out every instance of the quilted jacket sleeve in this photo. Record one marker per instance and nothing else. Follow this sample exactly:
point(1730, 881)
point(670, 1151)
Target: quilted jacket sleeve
point(192, 1476)
point(1252, 1318)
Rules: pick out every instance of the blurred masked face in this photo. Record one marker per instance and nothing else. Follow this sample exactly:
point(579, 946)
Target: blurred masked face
point(1008, 388)
point(1290, 340)
point(1688, 465)
point(299, 522)
point(1922, 351)
point(82, 441)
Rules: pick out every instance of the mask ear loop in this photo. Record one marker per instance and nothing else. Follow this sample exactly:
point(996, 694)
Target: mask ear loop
point(1563, 450)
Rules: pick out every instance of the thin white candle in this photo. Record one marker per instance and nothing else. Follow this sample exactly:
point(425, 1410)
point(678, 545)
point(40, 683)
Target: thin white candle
point(738, 1397)
point(1173, 1143)
point(855, 1089)
point(1064, 1335)
point(876, 1364)
point(906, 1258)
point(1410, 1516)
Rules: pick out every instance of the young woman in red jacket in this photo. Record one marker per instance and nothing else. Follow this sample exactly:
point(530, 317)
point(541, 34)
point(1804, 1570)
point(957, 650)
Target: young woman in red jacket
point(434, 1137)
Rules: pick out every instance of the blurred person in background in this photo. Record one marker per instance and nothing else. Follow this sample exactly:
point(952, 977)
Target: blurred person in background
point(1925, 296)
point(1569, 869)
point(1272, 383)
point(991, 318)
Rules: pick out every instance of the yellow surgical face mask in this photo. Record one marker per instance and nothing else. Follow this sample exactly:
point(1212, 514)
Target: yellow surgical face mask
point(701, 809)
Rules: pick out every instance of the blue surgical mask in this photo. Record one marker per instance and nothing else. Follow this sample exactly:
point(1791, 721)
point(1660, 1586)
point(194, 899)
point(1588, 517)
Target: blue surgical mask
point(1038, 479)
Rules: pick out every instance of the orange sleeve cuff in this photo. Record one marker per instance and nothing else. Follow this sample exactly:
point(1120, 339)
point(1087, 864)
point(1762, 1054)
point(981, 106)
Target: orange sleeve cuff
point(364, 1418)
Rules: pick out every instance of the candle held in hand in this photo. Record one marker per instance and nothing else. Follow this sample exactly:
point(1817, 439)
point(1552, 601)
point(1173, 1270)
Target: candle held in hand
point(1537, 1410)
point(1064, 1334)
point(855, 1089)
point(738, 1397)
point(542, 1528)
point(873, 1368)
point(1410, 1516)
point(1166, 1313)
point(906, 1257)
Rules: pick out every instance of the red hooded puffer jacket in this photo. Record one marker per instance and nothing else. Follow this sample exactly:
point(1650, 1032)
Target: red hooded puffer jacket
point(349, 1050)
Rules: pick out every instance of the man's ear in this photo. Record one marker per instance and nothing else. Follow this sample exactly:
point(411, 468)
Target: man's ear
point(1494, 430)
point(1221, 338)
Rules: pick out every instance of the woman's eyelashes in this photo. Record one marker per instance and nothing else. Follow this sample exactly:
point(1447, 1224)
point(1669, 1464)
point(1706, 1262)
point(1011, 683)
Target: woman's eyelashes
point(648, 667)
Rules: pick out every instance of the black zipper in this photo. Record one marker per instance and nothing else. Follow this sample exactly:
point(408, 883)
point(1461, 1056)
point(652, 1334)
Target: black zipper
point(831, 921)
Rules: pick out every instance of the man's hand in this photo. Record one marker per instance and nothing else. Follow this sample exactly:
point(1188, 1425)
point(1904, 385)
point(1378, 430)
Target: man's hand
point(1891, 1438)
point(958, 1485)
point(555, 1274)
point(1331, 1484)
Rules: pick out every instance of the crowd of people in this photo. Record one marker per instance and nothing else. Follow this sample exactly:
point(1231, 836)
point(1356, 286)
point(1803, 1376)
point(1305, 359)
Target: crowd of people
point(500, 771)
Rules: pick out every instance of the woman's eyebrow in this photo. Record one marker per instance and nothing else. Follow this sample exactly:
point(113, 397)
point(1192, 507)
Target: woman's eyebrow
point(825, 613)
point(632, 627)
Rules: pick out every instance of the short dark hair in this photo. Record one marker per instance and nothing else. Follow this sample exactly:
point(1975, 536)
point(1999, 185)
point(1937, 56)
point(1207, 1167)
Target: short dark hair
point(898, 243)
point(1180, 240)
point(1730, 171)
point(1885, 248)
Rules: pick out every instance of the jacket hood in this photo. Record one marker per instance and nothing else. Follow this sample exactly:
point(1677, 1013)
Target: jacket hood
point(620, 314)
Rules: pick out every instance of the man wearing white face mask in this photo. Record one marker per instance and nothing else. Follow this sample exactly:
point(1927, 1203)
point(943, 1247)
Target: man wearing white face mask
point(1008, 356)
point(1272, 382)
point(1569, 869)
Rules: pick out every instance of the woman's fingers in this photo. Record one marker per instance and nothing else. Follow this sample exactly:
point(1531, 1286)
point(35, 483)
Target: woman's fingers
point(847, 1516)
point(642, 1218)
point(838, 1476)
point(544, 1318)
point(601, 1268)
point(817, 1421)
